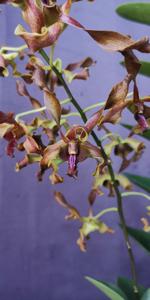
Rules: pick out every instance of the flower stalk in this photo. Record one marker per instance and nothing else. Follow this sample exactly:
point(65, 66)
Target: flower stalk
point(111, 172)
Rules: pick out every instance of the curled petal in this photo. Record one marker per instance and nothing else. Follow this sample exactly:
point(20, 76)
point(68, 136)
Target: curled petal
point(28, 159)
point(118, 93)
point(132, 63)
point(37, 72)
point(81, 241)
point(51, 14)
point(36, 41)
point(82, 75)
point(73, 212)
point(53, 152)
point(65, 9)
point(77, 132)
point(33, 15)
point(53, 105)
point(114, 114)
point(111, 40)
point(5, 128)
point(30, 145)
point(115, 41)
point(88, 150)
point(39, 77)
point(70, 21)
point(21, 88)
point(86, 63)
point(93, 194)
point(22, 163)
point(12, 143)
point(22, 91)
point(95, 119)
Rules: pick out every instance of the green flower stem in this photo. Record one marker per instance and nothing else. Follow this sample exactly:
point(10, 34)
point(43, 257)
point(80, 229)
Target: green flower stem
point(51, 55)
point(43, 108)
point(66, 101)
point(15, 49)
point(105, 211)
point(37, 110)
point(98, 104)
point(127, 194)
point(111, 135)
point(29, 112)
point(111, 172)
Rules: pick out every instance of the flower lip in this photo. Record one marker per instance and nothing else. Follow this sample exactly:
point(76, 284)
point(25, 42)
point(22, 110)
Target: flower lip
point(72, 165)
point(73, 151)
point(139, 117)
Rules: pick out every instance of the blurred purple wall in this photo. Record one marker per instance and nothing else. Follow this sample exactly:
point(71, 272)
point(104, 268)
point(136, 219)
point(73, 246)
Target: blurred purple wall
point(39, 258)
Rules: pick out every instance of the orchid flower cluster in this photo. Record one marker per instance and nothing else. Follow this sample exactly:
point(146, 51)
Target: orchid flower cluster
point(48, 140)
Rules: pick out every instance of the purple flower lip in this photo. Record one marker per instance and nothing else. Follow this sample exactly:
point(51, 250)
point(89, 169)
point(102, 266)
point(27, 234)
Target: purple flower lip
point(139, 117)
point(73, 151)
point(72, 165)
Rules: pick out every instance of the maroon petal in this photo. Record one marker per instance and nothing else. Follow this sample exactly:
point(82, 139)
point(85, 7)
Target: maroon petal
point(36, 41)
point(70, 21)
point(33, 15)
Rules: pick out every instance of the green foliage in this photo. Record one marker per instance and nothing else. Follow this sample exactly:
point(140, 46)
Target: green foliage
point(138, 12)
point(142, 237)
point(122, 290)
point(112, 291)
point(143, 182)
point(146, 295)
point(145, 68)
point(126, 286)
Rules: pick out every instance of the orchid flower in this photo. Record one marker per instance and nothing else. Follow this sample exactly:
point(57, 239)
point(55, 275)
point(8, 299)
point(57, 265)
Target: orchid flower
point(73, 148)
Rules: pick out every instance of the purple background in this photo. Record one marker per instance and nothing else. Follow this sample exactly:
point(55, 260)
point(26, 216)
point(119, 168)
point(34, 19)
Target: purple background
point(39, 258)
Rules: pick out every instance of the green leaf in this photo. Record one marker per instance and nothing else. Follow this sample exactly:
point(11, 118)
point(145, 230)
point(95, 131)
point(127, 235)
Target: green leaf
point(143, 182)
point(145, 134)
point(144, 69)
point(112, 291)
point(137, 12)
point(126, 286)
point(146, 296)
point(142, 237)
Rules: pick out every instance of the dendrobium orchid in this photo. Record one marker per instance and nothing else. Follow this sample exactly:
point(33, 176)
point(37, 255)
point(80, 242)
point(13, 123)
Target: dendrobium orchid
point(50, 139)
point(73, 148)
point(43, 18)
